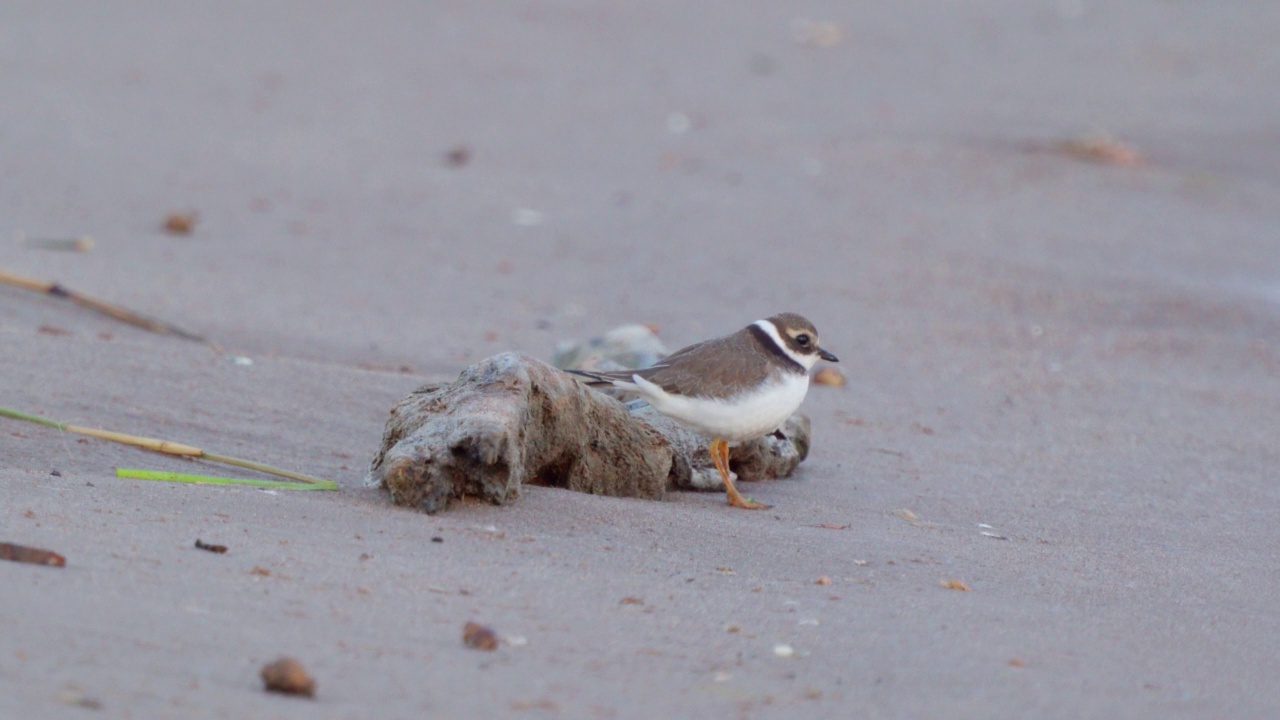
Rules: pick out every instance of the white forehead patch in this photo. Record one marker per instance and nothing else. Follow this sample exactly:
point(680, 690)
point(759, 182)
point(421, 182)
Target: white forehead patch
point(806, 361)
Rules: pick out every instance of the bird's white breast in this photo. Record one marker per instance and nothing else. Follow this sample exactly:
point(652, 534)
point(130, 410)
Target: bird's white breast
point(745, 416)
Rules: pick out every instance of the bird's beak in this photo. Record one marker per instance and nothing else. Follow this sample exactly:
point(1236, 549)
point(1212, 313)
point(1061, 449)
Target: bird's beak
point(828, 356)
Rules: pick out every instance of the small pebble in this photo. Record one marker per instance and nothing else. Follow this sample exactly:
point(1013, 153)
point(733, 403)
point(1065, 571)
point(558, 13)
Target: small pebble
point(288, 677)
point(830, 377)
point(458, 156)
point(479, 637)
point(180, 223)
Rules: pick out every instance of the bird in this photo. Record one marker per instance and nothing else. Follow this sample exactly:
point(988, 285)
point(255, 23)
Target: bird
point(730, 389)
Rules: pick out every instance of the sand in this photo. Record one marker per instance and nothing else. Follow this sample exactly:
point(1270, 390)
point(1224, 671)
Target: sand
point(1064, 369)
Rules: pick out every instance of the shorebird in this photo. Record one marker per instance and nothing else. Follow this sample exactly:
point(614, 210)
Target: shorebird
point(730, 389)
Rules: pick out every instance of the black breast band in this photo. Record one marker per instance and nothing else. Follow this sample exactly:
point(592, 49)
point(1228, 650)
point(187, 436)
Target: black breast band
point(772, 348)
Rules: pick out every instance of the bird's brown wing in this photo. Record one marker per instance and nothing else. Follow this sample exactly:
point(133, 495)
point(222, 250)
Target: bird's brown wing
point(715, 368)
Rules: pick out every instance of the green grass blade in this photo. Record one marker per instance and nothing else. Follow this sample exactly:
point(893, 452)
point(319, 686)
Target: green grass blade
point(19, 415)
point(136, 474)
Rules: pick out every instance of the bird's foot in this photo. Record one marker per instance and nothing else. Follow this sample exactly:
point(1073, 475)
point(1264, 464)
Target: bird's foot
point(720, 456)
point(738, 500)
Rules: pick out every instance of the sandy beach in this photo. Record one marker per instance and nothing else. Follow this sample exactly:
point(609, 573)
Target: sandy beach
point(1042, 238)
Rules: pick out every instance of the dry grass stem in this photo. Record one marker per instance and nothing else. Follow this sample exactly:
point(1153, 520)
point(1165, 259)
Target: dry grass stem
point(122, 314)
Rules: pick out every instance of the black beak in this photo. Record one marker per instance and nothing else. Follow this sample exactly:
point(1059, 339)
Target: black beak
point(829, 357)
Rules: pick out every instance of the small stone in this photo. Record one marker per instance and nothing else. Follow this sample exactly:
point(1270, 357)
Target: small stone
point(479, 637)
point(34, 556)
point(829, 376)
point(458, 156)
point(181, 223)
point(288, 677)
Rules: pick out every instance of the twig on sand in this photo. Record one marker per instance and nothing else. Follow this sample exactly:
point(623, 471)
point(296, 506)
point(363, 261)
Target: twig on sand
point(161, 446)
point(82, 243)
point(115, 311)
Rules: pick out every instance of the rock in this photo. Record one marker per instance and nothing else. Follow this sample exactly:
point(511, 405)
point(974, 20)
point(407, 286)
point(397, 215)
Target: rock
point(479, 637)
point(287, 676)
point(626, 347)
point(766, 458)
point(509, 421)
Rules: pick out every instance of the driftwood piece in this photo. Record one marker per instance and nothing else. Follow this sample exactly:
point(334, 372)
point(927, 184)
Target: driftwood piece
point(511, 421)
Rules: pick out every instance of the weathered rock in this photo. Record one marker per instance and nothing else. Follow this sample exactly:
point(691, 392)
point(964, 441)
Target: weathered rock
point(512, 420)
point(766, 458)
point(626, 346)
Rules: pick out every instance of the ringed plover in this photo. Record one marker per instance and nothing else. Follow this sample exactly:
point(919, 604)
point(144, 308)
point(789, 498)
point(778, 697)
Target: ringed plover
point(731, 389)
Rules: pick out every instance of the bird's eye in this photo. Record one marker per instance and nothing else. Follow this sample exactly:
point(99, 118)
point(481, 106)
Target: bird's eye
point(802, 340)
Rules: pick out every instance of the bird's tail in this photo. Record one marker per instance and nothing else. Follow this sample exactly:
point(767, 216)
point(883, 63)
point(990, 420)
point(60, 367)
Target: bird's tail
point(596, 379)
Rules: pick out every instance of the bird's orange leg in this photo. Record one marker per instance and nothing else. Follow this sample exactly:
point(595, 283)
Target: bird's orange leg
point(719, 450)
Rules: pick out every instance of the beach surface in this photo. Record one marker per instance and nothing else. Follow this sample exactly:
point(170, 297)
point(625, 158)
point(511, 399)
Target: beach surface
point(1042, 238)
